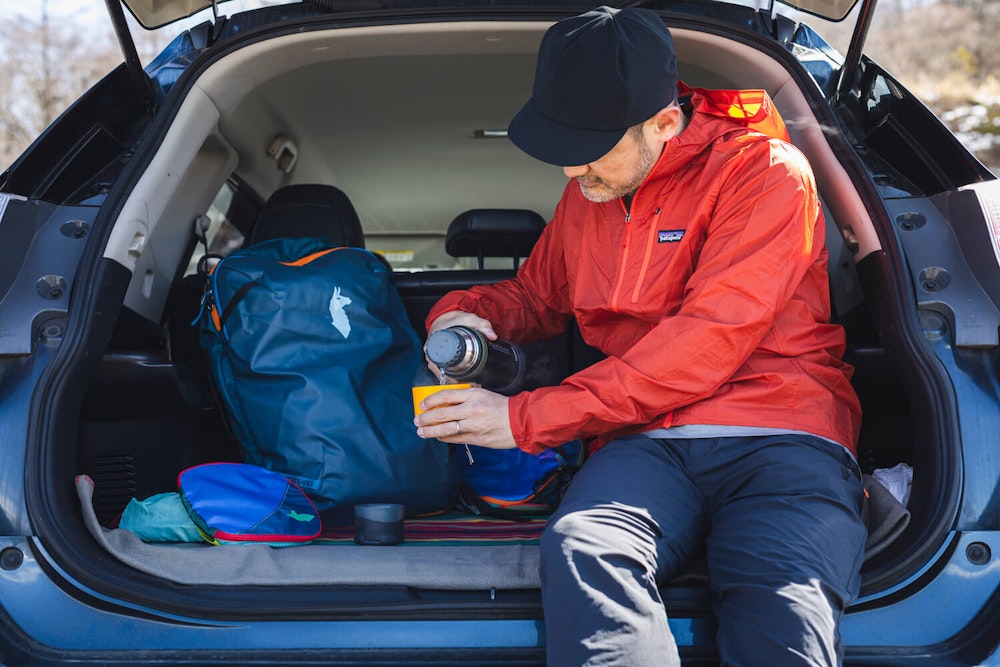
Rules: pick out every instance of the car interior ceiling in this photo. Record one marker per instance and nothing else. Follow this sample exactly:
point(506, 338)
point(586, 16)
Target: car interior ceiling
point(388, 115)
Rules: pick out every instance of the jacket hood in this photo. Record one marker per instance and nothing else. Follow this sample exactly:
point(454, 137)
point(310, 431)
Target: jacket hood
point(713, 115)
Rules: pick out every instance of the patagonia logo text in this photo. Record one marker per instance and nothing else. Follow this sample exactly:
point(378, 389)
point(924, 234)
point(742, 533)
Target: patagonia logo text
point(669, 235)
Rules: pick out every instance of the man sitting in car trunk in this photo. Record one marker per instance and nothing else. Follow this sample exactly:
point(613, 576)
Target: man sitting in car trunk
point(689, 248)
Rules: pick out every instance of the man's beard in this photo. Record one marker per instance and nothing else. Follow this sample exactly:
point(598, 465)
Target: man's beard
point(600, 191)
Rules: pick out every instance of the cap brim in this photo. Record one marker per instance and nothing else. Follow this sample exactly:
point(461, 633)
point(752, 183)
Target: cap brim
point(544, 139)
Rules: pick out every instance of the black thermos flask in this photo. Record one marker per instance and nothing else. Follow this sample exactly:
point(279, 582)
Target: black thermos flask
point(467, 355)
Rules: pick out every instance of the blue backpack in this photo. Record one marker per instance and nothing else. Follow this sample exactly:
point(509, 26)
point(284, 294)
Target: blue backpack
point(313, 357)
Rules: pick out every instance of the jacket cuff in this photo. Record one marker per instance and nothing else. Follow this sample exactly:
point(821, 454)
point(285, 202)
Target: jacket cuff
point(516, 409)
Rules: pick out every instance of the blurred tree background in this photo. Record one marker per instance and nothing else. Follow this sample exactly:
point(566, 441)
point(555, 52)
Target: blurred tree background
point(48, 59)
point(944, 51)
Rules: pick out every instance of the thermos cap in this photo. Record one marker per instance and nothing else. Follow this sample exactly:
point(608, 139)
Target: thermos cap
point(465, 354)
point(445, 348)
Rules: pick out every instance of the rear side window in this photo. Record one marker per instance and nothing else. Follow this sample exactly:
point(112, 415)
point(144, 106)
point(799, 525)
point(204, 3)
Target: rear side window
point(224, 224)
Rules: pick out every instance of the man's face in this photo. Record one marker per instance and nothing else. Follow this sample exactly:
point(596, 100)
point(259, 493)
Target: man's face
point(619, 172)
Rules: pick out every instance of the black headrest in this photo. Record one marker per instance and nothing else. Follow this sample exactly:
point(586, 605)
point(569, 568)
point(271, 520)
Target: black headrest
point(494, 232)
point(299, 211)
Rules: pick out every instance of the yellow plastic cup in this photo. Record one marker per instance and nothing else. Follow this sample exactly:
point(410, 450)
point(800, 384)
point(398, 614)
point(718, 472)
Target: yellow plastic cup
point(423, 391)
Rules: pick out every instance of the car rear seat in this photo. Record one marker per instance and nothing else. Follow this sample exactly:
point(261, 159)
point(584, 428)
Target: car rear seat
point(494, 232)
point(298, 211)
point(479, 234)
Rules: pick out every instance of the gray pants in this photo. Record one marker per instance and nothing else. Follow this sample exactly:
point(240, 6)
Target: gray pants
point(778, 518)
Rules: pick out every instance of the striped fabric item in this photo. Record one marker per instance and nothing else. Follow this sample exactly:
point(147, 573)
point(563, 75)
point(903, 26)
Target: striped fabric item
point(452, 529)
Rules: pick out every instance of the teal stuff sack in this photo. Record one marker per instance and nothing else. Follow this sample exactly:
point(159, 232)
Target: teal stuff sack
point(160, 518)
point(237, 503)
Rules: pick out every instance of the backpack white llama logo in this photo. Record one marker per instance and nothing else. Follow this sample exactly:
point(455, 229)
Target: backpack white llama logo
point(338, 314)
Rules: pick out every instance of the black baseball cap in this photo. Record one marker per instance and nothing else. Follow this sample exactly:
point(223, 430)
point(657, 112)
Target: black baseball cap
point(598, 74)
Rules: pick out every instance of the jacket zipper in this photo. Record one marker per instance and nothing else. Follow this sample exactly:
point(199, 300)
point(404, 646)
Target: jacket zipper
point(645, 259)
point(622, 262)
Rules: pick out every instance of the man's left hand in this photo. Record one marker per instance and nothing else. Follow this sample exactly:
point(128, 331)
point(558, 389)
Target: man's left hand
point(467, 417)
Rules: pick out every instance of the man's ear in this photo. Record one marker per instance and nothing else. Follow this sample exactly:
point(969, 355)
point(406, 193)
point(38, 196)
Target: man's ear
point(666, 123)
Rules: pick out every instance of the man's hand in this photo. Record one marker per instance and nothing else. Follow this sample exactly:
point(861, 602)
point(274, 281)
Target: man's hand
point(454, 318)
point(466, 417)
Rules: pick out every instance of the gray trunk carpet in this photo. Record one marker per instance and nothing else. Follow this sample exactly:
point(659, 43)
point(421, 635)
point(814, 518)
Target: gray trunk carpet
point(427, 566)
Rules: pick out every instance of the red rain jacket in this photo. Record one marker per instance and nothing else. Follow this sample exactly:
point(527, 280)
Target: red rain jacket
point(710, 299)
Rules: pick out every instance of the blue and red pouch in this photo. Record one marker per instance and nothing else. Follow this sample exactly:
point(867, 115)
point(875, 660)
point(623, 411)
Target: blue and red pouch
point(239, 503)
point(512, 484)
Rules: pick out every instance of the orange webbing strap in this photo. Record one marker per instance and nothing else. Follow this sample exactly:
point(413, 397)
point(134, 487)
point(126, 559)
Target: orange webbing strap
point(216, 320)
point(208, 301)
point(302, 261)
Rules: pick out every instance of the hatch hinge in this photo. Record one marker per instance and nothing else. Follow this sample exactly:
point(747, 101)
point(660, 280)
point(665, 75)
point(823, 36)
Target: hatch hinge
point(768, 18)
point(849, 70)
point(136, 74)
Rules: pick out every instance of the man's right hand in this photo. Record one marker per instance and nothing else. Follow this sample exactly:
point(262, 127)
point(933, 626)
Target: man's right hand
point(455, 318)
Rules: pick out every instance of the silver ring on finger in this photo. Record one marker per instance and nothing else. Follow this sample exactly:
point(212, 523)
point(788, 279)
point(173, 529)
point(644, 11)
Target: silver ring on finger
point(458, 427)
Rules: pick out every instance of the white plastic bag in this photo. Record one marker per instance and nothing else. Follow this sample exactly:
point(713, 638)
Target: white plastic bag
point(898, 479)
